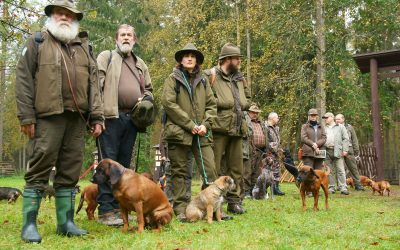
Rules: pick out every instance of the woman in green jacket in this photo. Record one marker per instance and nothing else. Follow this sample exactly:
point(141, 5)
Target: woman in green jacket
point(190, 108)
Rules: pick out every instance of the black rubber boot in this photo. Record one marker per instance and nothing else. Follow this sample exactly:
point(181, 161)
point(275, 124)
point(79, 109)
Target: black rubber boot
point(65, 206)
point(30, 209)
point(276, 190)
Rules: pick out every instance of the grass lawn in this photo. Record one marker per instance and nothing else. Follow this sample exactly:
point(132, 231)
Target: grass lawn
point(357, 221)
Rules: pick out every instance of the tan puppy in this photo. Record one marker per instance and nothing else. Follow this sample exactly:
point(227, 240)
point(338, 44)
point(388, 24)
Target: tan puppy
point(89, 194)
point(380, 187)
point(135, 192)
point(209, 200)
point(311, 181)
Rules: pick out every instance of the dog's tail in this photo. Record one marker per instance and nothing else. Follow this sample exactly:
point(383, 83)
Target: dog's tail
point(328, 170)
point(81, 202)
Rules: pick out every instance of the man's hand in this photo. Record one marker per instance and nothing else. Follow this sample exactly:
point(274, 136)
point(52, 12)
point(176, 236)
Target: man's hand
point(96, 130)
point(202, 130)
point(315, 146)
point(317, 151)
point(29, 130)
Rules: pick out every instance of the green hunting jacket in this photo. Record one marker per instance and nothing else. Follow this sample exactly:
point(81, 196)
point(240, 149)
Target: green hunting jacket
point(354, 147)
point(187, 106)
point(227, 121)
point(39, 79)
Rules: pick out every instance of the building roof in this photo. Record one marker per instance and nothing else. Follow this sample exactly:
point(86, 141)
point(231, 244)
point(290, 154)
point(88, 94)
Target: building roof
point(385, 59)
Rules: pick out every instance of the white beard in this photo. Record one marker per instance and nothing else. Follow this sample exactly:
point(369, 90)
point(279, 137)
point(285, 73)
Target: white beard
point(125, 48)
point(62, 31)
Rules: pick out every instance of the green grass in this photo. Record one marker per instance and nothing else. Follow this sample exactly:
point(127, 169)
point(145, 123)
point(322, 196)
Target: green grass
point(357, 221)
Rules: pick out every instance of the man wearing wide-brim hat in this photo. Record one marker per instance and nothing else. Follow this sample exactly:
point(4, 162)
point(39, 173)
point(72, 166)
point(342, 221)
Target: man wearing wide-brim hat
point(190, 110)
point(58, 96)
point(233, 97)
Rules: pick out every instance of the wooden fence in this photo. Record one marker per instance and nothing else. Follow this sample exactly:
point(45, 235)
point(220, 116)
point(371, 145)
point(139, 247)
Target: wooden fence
point(6, 168)
point(367, 164)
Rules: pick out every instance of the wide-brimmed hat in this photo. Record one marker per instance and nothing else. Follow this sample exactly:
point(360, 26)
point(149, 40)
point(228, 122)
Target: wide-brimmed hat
point(66, 4)
point(313, 112)
point(328, 114)
point(254, 108)
point(189, 48)
point(229, 49)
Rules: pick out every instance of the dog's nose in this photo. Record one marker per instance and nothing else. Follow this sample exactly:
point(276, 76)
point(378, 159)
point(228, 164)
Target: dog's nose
point(298, 179)
point(91, 180)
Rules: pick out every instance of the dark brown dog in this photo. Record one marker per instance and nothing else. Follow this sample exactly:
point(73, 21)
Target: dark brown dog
point(9, 194)
point(380, 187)
point(137, 193)
point(89, 194)
point(350, 182)
point(209, 200)
point(311, 181)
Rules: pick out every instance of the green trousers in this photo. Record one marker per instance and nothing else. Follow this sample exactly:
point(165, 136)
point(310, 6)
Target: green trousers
point(59, 141)
point(228, 153)
point(351, 164)
point(178, 156)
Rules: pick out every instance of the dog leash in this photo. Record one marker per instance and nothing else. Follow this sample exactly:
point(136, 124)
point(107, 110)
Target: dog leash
point(202, 160)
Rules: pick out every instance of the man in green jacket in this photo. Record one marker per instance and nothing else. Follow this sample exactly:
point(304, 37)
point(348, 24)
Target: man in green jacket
point(190, 107)
point(354, 152)
point(58, 96)
point(232, 95)
point(125, 80)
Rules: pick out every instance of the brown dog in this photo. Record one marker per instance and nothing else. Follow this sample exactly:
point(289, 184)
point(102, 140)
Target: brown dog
point(209, 200)
point(137, 193)
point(311, 181)
point(365, 181)
point(350, 182)
point(380, 187)
point(89, 194)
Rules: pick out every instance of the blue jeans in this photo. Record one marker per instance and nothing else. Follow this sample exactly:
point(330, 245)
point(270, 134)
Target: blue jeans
point(116, 143)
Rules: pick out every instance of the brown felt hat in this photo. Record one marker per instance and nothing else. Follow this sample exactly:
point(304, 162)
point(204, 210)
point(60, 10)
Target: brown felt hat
point(254, 108)
point(328, 114)
point(66, 4)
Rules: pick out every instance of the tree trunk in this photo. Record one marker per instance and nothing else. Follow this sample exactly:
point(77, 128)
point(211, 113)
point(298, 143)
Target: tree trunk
point(248, 42)
point(3, 65)
point(237, 23)
point(321, 48)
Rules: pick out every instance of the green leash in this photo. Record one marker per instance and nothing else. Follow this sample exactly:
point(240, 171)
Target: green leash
point(201, 158)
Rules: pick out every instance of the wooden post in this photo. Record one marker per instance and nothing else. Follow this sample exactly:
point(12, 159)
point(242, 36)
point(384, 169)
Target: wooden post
point(376, 119)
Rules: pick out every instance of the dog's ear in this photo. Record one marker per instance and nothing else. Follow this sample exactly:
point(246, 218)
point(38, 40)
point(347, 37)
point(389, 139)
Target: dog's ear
point(313, 172)
point(115, 174)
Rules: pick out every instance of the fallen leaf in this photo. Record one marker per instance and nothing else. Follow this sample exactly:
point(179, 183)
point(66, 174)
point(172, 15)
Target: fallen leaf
point(384, 238)
point(375, 243)
point(6, 222)
point(205, 230)
point(380, 212)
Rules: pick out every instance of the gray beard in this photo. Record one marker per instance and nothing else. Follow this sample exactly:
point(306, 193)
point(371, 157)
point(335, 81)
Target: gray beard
point(62, 32)
point(125, 48)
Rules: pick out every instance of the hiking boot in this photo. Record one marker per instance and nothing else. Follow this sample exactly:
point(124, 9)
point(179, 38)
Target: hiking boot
point(331, 190)
point(182, 217)
point(359, 188)
point(345, 192)
point(275, 189)
point(112, 219)
point(224, 216)
point(236, 209)
point(118, 214)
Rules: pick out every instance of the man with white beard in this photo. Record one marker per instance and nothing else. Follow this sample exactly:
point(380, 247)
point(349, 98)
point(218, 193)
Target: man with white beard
point(58, 97)
point(125, 80)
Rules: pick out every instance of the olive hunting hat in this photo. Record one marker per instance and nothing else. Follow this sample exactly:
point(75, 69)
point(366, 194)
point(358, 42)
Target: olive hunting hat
point(254, 108)
point(66, 4)
point(328, 114)
point(189, 48)
point(229, 49)
point(313, 112)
